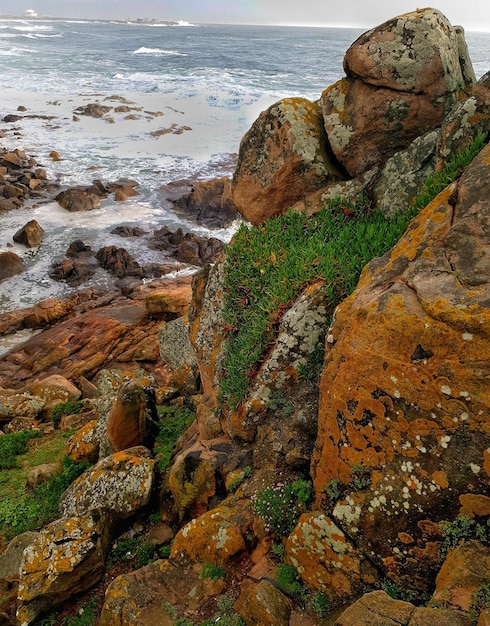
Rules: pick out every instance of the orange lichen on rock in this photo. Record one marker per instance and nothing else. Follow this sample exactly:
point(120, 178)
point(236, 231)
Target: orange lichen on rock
point(404, 389)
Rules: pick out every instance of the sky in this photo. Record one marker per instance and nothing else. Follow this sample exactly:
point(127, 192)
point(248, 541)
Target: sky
point(471, 14)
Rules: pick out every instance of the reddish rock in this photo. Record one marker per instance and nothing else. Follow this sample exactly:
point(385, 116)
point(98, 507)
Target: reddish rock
point(463, 572)
point(55, 389)
point(210, 202)
point(403, 392)
point(75, 200)
point(282, 158)
point(131, 417)
point(10, 265)
point(403, 77)
point(119, 262)
point(378, 609)
point(31, 235)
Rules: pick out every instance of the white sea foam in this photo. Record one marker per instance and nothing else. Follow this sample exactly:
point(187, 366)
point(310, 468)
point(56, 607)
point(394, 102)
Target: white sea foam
point(159, 51)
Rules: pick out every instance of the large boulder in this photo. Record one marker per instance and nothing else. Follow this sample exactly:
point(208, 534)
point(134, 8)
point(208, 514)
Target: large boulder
point(132, 418)
point(379, 609)
point(65, 556)
point(119, 262)
point(121, 483)
point(31, 234)
point(10, 265)
point(209, 202)
point(402, 78)
point(282, 158)
point(404, 394)
point(75, 200)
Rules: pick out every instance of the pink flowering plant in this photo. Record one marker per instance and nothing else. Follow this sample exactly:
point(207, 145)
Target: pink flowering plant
point(280, 505)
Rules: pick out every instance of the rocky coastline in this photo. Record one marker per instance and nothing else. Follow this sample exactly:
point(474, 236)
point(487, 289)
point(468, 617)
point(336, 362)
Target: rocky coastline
point(350, 492)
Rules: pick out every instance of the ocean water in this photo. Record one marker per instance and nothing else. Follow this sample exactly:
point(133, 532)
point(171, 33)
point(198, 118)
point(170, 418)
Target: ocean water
point(208, 82)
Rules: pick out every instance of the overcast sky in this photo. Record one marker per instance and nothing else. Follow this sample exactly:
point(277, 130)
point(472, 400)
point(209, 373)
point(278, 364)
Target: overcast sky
point(471, 14)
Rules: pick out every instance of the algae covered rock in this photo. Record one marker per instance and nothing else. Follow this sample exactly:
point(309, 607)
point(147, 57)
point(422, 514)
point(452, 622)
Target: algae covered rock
point(282, 158)
point(66, 555)
point(121, 483)
point(403, 77)
point(404, 394)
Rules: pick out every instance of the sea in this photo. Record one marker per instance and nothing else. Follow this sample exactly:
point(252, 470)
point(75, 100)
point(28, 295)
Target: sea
point(193, 89)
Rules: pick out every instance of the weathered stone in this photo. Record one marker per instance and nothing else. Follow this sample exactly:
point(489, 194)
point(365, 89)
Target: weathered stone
point(163, 305)
point(55, 389)
point(119, 262)
point(326, 559)
point(75, 200)
point(192, 483)
point(378, 609)
point(11, 557)
point(403, 77)
point(42, 473)
point(282, 158)
point(19, 405)
point(132, 418)
point(83, 445)
point(73, 271)
point(265, 604)
point(10, 265)
point(120, 483)
point(66, 555)
point(299, 331)
point(215, 537)
point(404, 386)
point(176, 351)
point(146, 597)
point(31, 234)
point(461, 575)
point(403, 175)
point(210, 202)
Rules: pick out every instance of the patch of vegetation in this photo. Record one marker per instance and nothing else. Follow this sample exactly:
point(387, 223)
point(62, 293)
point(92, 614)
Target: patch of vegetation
point(334, 490)
point(320, 604)
point(480, 600)
point(85, 615)
point(12, 445)
point(243, 475)
point(268, 266)
point(133, 549)
point(281, 505)
point(210, 570)
point(33, 509)
point(312, 369)
point(396, 592)
point(360, 477)
point(452, 169)
point(461, 529)
point(289, 580)
point(173, 421)
point(63, 409)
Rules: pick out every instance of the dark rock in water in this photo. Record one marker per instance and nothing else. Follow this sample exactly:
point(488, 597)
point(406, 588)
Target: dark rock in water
point(122, 183)
point(93, 110)
point(119, 262)
point(11, 118)
point(128, 231)
point(75, 200)
point(155, 270)
point(31, 234)
point(78, 249)
point(210, 203)
point(72, 271)
point(10, 265)
point(186, 247)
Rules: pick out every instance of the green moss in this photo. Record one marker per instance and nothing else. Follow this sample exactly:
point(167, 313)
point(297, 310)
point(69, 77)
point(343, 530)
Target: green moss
point(12, 445)
point(210, 570)
point(65, 408)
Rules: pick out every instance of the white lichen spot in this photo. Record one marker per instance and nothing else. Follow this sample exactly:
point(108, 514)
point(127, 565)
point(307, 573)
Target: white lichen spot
point(445, 439)
point(475, 468)
point(445, 389)
point(464, 417)
point(397, 393)
point(394, 379)
point(330, 338)
point(406, 505)
point(467, 336)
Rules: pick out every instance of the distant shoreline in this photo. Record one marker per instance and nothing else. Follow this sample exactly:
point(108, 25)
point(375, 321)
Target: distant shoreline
point(137, 21)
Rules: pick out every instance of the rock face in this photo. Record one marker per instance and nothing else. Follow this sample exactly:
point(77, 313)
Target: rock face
point(282, 158)
point(75, 200)
point(403, 77)
point(67, 554)
point(120, 483)
point(378, 609)
point(132, 418)
point(31, 234)
point(10, 265)
point(403, 391)
point(210, 203)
